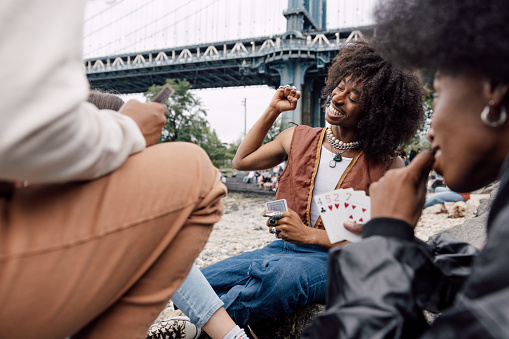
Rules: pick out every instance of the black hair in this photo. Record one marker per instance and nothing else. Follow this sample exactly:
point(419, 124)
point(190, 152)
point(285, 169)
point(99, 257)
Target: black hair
point(391, 98)
point(453, 36)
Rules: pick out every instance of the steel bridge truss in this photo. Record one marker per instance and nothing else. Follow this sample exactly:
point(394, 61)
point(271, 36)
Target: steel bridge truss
point(292, 58)
point(225, 64)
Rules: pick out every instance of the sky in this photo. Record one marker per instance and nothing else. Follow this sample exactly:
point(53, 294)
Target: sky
point(114, 27)
point(225, 108)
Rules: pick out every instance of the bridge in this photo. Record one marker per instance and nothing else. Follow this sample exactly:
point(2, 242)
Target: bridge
point(298, 57)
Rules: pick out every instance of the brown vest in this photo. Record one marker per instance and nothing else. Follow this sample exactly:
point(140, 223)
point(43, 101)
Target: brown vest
point(298, 179)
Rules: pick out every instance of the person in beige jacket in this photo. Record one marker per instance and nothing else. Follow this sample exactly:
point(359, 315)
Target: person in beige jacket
point(109, 226)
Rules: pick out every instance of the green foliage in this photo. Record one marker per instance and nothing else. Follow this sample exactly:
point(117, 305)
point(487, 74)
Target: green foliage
point(273, 132)
point(232, 148)
point(420, 140)
point(186, 120)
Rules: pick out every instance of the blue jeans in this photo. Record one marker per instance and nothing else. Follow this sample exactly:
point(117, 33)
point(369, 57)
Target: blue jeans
point(271, 281)
point(196, 298)
point(441, 195)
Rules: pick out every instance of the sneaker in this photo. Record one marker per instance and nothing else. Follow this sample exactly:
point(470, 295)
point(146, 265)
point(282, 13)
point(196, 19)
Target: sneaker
point(175, 325)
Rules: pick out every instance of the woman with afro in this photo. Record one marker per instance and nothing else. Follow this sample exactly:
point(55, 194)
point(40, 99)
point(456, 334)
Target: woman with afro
point(373, 109)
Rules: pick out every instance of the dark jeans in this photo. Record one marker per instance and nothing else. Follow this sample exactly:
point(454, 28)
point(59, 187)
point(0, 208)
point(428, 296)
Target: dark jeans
point(271, 281)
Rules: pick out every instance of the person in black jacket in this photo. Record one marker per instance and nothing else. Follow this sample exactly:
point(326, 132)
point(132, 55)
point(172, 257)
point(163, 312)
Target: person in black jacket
point(379, 287)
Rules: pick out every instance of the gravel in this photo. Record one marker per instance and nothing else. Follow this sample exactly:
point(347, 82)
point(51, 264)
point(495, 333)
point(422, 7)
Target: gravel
point(242, 227)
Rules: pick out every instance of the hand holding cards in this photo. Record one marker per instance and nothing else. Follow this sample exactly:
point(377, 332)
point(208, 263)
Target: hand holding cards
point(276, 209)
point(163, 94)
point(277, 205)
point(343, 205)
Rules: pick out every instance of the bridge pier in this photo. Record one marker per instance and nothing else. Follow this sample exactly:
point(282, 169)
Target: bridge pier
point(308, 111)
point(312, 113)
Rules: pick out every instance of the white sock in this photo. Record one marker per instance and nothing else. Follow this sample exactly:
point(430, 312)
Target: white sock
point(236, 333)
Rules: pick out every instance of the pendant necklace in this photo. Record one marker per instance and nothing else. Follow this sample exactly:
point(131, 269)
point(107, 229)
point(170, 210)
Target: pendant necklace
point(339, 145)
point(336, 157)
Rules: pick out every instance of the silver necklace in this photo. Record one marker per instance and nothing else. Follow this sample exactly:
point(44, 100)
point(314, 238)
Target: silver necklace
point(338, 144)
point(336, 157)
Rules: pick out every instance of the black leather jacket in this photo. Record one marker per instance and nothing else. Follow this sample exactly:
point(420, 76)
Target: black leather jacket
point(378, 288)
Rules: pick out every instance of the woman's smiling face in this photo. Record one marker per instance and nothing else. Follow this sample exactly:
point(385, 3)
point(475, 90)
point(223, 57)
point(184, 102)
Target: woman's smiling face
point(345, 108)
point(469, 154)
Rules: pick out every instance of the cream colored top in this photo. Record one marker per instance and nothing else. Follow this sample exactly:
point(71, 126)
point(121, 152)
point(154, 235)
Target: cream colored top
point(48, 133)
point(326, 178)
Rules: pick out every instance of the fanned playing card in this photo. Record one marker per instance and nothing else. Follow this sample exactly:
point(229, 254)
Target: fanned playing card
point(343, 205)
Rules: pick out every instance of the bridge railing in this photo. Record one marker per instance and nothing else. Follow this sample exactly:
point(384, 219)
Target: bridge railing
point(289, 42)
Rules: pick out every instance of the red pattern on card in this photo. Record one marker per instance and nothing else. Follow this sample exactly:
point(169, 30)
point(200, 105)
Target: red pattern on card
point(330, 207)
point(346, 204)
point(337, 206)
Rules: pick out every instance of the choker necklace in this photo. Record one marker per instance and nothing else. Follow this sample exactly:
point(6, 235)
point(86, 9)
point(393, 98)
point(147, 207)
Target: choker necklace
point(338, 144)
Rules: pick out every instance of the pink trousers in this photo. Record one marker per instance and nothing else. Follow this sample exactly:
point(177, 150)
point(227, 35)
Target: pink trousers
point(100, 259)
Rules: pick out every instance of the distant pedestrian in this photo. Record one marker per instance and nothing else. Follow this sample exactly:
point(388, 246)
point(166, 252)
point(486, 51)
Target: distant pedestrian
point(411, 154)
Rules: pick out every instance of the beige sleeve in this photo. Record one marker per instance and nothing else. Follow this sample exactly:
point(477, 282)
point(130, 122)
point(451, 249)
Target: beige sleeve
point(48, 133)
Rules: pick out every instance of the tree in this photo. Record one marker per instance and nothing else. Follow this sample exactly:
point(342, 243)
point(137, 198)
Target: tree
point(216, 150)
point(273, 132)
point(420, 140)
point(186, 119)
point(232, 148)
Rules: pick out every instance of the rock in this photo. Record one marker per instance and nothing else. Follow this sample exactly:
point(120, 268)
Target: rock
point(435, 209)
point(488, 189)
point(485, 204)
point(474, 230)
point(234, 207)
point(458, 210)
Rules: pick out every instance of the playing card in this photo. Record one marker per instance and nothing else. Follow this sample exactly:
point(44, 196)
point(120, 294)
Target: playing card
point(325, 203)
point(277, 205)
point(340, 205)
point(356, 207)
point(163, 94)
point(332, 201)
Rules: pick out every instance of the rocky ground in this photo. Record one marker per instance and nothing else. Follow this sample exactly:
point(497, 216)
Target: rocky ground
point(242, 227)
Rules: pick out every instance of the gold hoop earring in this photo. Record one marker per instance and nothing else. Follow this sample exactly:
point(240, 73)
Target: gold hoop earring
point(493, 123)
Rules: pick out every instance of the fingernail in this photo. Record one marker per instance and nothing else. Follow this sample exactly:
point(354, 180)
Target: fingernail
point(348, 223)
point(290, 97)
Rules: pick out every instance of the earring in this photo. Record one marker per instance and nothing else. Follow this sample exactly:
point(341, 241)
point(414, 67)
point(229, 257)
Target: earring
point(493, 123)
